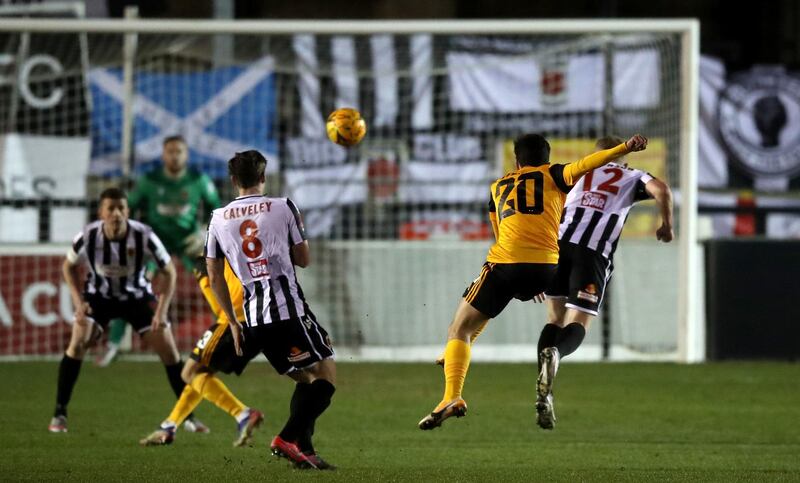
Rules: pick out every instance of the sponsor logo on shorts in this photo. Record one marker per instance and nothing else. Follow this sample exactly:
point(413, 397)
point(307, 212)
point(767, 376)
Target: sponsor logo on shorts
point(259, 268)
point(594, 200)
point(297, 355)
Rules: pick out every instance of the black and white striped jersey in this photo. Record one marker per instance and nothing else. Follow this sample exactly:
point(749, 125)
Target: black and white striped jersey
point(117, 267)
point(255, 234)
point(597, 206)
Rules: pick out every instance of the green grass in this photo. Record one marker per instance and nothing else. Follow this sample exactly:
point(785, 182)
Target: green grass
point(620, 422)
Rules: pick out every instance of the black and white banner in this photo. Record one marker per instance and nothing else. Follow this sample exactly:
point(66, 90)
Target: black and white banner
point(749, 127)
point(44, 124)
point(438, 109)
point(749, 140)
point(527, 83)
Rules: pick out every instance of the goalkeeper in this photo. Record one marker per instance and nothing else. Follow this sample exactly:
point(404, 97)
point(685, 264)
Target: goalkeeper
point(169, 198)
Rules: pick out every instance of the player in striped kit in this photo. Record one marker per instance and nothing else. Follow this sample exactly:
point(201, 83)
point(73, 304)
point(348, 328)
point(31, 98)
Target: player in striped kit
point(115, 250)
point(263, 239)
point(525, 208)
point(594, 213)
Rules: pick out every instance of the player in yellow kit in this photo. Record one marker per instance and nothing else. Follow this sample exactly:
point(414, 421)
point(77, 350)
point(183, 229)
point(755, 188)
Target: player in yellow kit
point(525, 210)
point(214, 352)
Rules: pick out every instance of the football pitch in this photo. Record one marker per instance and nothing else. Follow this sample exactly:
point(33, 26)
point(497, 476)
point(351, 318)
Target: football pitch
point(616, 422)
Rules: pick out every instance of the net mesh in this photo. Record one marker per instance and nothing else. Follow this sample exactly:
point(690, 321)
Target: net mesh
point(398, 224)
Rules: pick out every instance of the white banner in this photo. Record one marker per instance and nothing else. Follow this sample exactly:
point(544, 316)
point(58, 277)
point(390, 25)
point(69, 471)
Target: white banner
point(42, 167)
point(522, 83)
point(445, 182)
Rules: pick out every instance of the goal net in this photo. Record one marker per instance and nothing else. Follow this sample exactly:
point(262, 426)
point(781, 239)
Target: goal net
point(398, 225)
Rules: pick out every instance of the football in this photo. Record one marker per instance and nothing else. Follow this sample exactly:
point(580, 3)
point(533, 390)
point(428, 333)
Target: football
point(346, 127)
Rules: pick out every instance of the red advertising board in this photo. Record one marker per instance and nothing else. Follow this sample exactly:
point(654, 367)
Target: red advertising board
point(36, 310)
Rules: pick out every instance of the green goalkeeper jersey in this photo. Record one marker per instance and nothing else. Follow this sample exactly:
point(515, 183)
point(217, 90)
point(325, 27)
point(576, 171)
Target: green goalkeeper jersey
point(170, 205)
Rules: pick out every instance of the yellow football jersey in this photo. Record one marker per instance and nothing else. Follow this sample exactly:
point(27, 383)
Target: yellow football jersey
point(526, 205)
point(234, 289)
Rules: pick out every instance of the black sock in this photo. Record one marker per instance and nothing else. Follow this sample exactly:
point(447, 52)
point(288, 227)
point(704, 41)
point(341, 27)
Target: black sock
point(548, 336)
point(319, 400)
point(68, 372)
point(175, 381)
point(298, 414)
point(570, 338)
point(322, 392)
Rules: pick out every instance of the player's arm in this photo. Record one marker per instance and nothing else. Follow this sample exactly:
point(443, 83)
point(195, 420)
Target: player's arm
point(236, 292)
point(72, 276)
point(301, 254)
point(215, 263)
point(663, 195)
point(572, 172)
point(166, 270)
point(493, 217)
point(201, 274)
point(216, 278)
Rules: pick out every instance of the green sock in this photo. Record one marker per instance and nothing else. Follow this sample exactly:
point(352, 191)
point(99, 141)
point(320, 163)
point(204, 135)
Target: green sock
point(116, 330)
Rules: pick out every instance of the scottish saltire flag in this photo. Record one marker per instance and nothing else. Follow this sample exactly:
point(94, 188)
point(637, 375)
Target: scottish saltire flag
point(219, 112)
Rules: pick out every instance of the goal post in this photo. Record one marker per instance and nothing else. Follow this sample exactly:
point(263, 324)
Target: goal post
point(397, 224)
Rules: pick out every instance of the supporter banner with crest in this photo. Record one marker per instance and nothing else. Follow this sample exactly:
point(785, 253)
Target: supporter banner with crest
point(749, 127)
point(749, 141)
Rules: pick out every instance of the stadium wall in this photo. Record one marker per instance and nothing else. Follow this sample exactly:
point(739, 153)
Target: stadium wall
point(384, 318)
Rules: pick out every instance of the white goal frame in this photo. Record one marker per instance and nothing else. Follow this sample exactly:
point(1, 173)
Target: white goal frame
point(691, 330)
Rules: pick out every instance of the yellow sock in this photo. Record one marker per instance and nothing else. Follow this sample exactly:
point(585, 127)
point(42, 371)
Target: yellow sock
point(186, 403)
point(214, 390)
point(440, 359)
point(456, 363)
point(477, 332)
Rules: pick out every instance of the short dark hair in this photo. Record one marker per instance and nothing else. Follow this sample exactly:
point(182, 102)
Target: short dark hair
point(113, 193)
point(608, 142)
point(532, 150)
point(247, 168)
point(175, 138)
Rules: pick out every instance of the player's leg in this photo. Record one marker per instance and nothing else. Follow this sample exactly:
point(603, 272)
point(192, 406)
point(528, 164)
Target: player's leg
point(163, 344)
point(576, 324)
point(216, 353)
point(116, 331)
point(556, 298)
point(301, 349)
point(484, 299)
point(588, 277)
point(548, 361)
point(587, 284)
point(186, 403)
point(315, 388)
point(556, 310)
point(477, 332)
point(466, 321)
point(84, 332)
